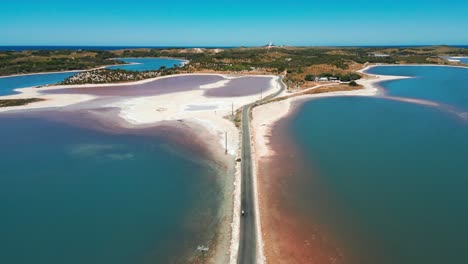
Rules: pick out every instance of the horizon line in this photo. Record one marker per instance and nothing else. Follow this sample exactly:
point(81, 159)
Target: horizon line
point(229, 46)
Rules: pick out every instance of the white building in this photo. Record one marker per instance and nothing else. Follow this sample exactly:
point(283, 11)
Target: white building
point(321, 79)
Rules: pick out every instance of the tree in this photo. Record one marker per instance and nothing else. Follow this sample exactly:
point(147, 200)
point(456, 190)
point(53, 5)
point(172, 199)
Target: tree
point(345, 78)
point(353, 84)
point(327, 74)
point(309, 77)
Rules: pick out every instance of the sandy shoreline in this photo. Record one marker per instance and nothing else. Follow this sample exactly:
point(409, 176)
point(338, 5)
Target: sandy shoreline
point(61, 100)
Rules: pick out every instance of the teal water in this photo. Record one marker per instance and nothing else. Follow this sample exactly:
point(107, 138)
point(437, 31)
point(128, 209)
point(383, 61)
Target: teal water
point(74, 195)
point(146, 64)
point(386, 179)
point(462, 60)
point(447, 85)
point(9, 84)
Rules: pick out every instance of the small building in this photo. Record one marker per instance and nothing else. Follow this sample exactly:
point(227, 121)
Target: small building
point(321, 79)
point(379, 55)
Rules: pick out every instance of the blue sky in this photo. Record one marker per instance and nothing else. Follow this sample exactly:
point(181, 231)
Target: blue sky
point(233, 23)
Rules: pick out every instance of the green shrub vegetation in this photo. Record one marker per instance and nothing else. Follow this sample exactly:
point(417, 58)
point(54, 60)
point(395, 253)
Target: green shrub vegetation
point(12, 62)
point(342, 77)
point(294, 60)
point(114, 76)
point(17, 102)
point(309, 77)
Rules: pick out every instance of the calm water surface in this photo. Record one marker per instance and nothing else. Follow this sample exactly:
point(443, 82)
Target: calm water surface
point(146, 64)
point(74, 195)
point(395, 174)
point(9, 84)
point(447, 85)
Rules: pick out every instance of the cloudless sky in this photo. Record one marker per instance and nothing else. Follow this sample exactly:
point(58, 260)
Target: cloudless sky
point(233, 23)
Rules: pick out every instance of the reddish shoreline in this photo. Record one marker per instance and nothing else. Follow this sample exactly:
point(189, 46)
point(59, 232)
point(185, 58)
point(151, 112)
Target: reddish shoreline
point(289, 236)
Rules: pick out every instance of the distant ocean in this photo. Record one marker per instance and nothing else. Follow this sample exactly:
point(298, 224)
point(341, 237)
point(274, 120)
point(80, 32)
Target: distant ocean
point(22, 48)
point(409, 46)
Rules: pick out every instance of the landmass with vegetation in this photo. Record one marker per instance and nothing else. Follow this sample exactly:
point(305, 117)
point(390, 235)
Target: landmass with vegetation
point(18, 102)
point(112, 76)
point(301, 66)
point(32, 61)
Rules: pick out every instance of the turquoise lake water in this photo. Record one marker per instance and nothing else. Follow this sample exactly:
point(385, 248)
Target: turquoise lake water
point(462, 60)
point(447, 85)
point(146, 64)
point(395, 174)
point(9, 84)
point(75, 195)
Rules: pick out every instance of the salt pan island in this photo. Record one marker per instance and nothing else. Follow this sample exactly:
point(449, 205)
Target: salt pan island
point(242, 155)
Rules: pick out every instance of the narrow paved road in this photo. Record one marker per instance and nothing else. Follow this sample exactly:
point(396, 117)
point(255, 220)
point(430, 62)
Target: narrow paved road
point(248, 230)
